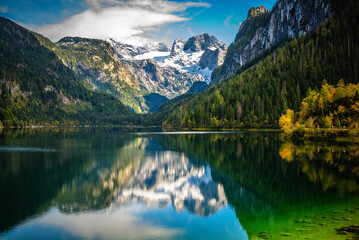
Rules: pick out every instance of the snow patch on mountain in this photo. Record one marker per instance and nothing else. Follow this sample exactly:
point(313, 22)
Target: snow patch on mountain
point(148, 50)
point(194, 56)
point(183, 64)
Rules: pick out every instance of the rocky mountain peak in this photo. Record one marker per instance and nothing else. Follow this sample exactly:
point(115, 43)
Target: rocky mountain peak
point(200, 42)
point(205, 43)
point(254, 11)
point(177, 46)
point(200, 54)
point(74, 41)
point(162, 47)
point(213, 56)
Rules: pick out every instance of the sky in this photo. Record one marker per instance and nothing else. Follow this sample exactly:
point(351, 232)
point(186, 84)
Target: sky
point(131, 21)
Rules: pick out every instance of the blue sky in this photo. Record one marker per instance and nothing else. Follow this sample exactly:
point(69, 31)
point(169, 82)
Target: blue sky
point(131, 20)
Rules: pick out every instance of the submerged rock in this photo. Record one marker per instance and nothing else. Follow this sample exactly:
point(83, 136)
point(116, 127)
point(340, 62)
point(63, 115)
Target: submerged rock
point(286, 234)
point(264, 235)
point(354, 229)
point(302, 220)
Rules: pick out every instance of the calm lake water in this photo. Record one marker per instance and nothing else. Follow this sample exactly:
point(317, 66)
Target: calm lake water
point(108, 184)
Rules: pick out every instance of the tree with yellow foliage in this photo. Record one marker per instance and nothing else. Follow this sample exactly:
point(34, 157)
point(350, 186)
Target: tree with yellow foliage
point(286, 121)
point(330, 107)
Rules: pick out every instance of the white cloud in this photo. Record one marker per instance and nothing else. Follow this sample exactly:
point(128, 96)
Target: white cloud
point(4, 9)
point(229, 25)
point(119, 20)
point(152, 5)
point(226, 22)
point(110, 22)
point(125, 223)
point(191, 32)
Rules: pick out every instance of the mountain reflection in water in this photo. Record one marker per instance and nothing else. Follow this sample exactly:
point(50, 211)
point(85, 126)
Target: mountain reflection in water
point(110, 185)
point(170, 178)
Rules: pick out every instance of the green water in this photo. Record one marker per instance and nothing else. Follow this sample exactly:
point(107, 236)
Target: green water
point(112, 184)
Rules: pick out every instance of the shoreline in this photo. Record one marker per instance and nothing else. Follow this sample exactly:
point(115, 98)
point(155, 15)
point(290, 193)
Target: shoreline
point(323, 134)
point(76, 126)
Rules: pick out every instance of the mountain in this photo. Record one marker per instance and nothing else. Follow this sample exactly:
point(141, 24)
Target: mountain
point(130, 73)
point(262, 30)
point(198, 87)
point(131, 52)
point(37, 88)
point(171, 72)
point(201, 54)
point(154, 101)
point(261, 90)
point(165, 80)
point(97, 63)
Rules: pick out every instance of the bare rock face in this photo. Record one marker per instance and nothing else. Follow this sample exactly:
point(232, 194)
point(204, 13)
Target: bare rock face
point(200, 42)
point(287, 20)
point(213, 56)
point(254, 11)
point(177, 47)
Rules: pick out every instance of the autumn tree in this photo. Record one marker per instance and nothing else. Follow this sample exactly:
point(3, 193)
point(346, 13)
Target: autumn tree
point(286, 121)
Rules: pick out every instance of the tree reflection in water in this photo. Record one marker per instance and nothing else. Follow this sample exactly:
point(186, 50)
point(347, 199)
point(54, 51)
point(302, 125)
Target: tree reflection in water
point(263, 179)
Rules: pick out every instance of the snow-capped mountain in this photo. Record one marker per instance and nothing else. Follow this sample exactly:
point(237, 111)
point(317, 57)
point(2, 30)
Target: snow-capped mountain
point(165, 80)
point(148, 51)
point(172, 72)
point(197, 51)
point(199, 55)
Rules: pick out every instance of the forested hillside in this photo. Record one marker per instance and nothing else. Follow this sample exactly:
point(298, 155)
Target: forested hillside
point(333, 107)
point(96, 62)
point(278, 79)
point(36, 88)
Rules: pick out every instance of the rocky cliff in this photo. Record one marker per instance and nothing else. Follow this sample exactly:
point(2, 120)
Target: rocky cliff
point(262, 29)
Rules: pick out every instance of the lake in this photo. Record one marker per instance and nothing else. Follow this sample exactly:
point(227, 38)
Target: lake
point(110, 184)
